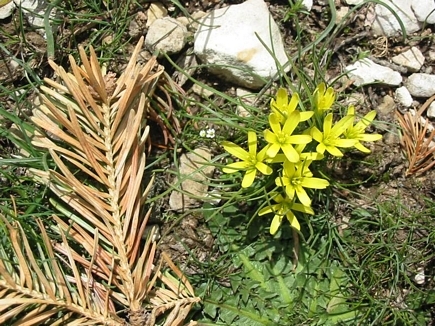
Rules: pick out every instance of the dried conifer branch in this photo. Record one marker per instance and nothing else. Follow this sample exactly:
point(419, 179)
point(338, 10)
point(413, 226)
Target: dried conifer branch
point(98, 133)
point(417, 144)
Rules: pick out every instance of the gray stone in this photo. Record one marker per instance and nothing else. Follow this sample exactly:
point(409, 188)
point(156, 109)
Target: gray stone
point(431, 110)
point(166, 35)
point(354, 2)
point(34, 12)
point(307, 4)
point(191, 180)
point(403, 97)
point(365, 72)
point(424, 10)
point(228, 41)
point(412, 59)
point(7, 9)
point(421, 85)
point(387, 24)
point(154, 12)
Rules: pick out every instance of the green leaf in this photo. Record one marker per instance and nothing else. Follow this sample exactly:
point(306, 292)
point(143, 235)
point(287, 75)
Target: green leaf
point(210, 310)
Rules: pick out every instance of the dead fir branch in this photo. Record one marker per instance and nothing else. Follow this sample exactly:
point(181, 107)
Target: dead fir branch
point(416, 141)
point(93, 126)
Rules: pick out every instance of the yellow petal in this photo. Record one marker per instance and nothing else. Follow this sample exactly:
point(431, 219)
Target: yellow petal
point(281, 99)
point(273, 150)
point(252, 143)
point(270, 137)
point(235, 150)
point(266, 210)
point(369, 137)
point(306, 115)
point(293, 220)
point(320, 148)
point(346, 143)
point(290, 153)
point(301, 208)
point(291, 123)
point(300, 139)
point(334, 151)
point(366, 120)
point(274, 123)
point(362, 148)
point(303, 196)
point(236, 166)
point(314, 183)
point(276, 222)
point(317, 134)
point(249, 178)
point(327, 124)
point(293, 103)
point(263, 168)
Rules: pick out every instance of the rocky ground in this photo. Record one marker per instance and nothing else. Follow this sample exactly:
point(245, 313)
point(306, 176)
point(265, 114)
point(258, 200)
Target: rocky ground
point(402, 80)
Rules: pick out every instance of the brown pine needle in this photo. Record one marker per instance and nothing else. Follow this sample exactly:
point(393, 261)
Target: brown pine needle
point(414, 140)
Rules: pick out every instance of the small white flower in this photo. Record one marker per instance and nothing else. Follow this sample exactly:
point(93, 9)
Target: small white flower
point(211, 133)
point(202, 133)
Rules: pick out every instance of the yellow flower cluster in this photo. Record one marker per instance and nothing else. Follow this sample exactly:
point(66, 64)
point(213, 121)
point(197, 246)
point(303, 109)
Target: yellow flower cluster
point(283, 156)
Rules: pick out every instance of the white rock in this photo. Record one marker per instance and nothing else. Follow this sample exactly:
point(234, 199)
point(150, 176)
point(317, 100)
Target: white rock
point(341, 13)
point(412, 59)
point(431, 110)
point(155, 11)
point(228, 41)
point(191, 181)
point(403, 97)
point(166, 35)
point(421, 85)
point(246, 97)
point(387, 24)
point(34, 12)
point(354, 2)
point(201, 91)
point(424, 10)
point(365, 71)
point(419, 278)
point(7, 9)
point(194, 21)
point(307, 4)
point(183, 20)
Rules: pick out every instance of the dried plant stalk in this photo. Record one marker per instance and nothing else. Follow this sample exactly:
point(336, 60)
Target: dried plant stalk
point(98, 132)
point(418, 146)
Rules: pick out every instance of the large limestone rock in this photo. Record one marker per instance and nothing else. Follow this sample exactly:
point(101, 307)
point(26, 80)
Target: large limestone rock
point(228, 41)
point(387, 24)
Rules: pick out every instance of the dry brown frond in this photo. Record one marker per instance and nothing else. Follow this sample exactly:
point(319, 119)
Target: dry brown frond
point(35, 282)
point(98, 132)
point(416, 141)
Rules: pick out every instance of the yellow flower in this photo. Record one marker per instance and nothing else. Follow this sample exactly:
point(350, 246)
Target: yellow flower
point(324, 98)
point(296, 177)
point(356, 131)
point(283, 108)
point(284, 207)
point(283, 138)
point(250, 162)
point(330, 139)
